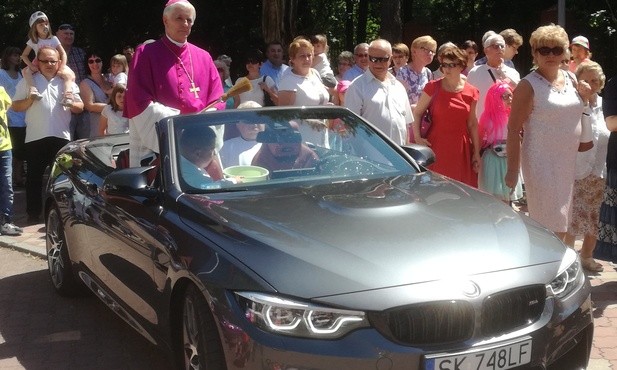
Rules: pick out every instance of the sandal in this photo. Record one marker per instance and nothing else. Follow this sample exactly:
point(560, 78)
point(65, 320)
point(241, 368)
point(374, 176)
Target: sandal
point(35, 94)
point(590, 264)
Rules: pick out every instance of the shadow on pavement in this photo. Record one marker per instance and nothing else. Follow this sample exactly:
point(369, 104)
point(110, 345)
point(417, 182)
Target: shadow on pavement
point(603, 295)
point(41, 330)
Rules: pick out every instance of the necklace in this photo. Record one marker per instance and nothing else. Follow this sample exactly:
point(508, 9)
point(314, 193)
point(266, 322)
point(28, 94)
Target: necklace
point(554, 84)
point(194, 89)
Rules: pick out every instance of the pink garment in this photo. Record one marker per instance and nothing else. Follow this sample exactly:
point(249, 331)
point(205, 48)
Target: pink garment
point(156, 75)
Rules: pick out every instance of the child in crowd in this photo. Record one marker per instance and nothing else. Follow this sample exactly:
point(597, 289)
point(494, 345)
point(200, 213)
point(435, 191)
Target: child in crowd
point(40, 35)
point(493, 132)
point(112, 121)
point(119, 67)
point(321, 62)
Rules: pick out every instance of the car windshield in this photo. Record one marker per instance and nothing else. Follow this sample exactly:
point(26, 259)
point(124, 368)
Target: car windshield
point(244, 148)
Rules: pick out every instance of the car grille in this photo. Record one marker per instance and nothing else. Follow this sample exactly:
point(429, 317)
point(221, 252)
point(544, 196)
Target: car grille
point(431, 323)
point(512, 309)
point(452, 321)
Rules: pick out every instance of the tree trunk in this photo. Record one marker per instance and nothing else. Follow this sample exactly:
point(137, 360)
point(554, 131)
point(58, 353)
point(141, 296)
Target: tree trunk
point(391, 24)
point(349, 39)
point(272, 20)
point(362, 22)
point(278, 20)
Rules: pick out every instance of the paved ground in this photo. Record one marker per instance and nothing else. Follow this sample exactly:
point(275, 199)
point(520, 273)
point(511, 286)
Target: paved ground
point(32, 287)
point(41, 330)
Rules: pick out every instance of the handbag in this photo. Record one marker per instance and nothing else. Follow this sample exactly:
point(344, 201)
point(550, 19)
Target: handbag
point(267, 99)
point(427, 120)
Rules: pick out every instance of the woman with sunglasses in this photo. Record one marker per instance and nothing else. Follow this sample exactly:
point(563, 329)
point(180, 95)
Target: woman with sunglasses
point(453, 135)
point(93, 89)
point(261, 85)
point(547, 106)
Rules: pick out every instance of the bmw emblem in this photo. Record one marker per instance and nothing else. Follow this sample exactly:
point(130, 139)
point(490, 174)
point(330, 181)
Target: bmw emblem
point(470, 289)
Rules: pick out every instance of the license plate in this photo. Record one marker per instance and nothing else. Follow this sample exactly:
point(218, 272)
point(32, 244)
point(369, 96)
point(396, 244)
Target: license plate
point(498, 358)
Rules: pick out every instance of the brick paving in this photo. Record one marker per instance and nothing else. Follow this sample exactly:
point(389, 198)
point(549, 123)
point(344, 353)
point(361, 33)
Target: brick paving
point(604, 296)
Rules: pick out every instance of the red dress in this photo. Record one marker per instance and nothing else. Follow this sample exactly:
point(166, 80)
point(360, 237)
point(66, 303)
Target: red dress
point(448, 135)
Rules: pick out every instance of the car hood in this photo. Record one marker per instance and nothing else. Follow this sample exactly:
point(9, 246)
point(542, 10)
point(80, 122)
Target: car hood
point(320, 240)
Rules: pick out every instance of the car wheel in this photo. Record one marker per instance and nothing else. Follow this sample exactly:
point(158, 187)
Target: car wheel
point(201, 345)
point(60, 269)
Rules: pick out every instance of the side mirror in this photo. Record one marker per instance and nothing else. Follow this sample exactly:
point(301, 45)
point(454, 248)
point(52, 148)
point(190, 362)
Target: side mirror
point(423, 155)
point(130, 181)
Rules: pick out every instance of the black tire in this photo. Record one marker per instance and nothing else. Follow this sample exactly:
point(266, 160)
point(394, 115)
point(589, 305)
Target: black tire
point(199, 345)
point(60, 268)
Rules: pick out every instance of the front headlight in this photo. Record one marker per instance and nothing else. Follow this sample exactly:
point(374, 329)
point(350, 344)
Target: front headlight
point(284, 316)
point(568, 275)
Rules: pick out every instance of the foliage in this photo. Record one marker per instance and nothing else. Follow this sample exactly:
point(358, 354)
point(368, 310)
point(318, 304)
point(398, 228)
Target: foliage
point(234, 26)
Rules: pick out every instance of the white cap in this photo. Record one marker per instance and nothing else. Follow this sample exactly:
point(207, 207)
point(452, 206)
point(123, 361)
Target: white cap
point(36, 16)
point(580, 40)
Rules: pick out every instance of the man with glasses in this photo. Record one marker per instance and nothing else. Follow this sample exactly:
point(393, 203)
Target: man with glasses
point(513, 42)
point(47, 124)
point(360, 56)
point(483, 76)
point(379, 97)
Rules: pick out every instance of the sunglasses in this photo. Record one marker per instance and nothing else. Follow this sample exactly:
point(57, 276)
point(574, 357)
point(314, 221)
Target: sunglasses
point(449, 65)
point(253, 61)
point(378, 59)
point(498, 46)
point(545, 50)
point(96, 60)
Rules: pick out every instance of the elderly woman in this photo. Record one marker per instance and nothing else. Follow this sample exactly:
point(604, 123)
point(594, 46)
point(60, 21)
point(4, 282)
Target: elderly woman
point(454, 132)
point(547, 106)
point(415, 75)
point(223, 69)
point(92, 90)
point(580, 52)
point(590, 170)
point(302, 85)
point(344, 62)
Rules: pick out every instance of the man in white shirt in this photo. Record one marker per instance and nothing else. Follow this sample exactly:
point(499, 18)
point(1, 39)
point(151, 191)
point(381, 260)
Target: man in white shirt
point(47, 124)
point(483, 76)
point(379, 97)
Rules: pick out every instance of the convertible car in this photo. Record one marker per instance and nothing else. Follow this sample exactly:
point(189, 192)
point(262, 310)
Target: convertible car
point(303, 238)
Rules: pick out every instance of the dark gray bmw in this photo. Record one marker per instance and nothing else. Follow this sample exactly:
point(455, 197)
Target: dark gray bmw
point(310, 241)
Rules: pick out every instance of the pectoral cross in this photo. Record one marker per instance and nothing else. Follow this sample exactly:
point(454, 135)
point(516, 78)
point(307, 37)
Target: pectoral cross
point(194, 89)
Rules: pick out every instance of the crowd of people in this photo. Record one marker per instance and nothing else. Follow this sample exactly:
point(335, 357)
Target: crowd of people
point(489, 128)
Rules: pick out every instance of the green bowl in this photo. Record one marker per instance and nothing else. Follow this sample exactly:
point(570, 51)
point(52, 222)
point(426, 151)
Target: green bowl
point(247, 173)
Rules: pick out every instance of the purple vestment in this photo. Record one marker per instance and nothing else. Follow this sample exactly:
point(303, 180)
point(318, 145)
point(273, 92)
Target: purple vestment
point(156, 75)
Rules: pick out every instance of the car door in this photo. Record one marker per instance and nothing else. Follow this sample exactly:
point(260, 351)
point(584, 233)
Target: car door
point(129, 236)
